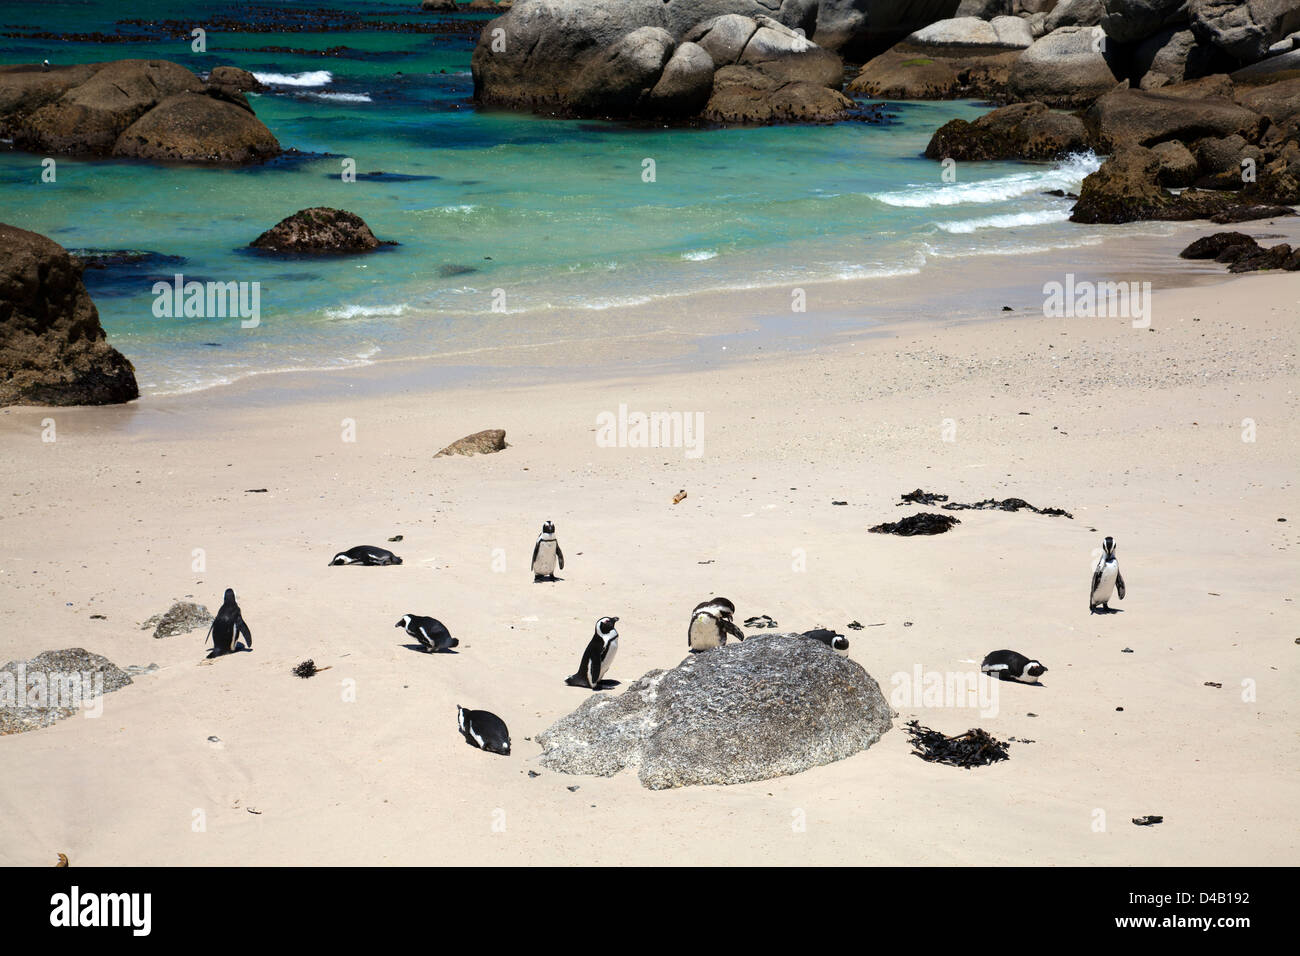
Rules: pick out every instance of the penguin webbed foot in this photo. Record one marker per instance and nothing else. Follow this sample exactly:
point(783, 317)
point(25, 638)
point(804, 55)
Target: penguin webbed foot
point(577, 680)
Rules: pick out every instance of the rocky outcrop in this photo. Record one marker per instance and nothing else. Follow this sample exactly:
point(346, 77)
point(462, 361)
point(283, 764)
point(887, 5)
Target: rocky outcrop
point(53, 350)
point(1178, 167)
point(1074, 13)
point(773, 705)
point(1209, 247)
point(911, 73)
point(480, 443)
point(233, 78)
point(1146, 118)
point(860, 29)
point(1127, 188)
point(1069, 67)
point(107, 109)
point(716, 60)
point(1020, 131)
point(972, 33)
point(318, 230)
point(52, 686)
point(1128, 21)
point(1174, 56)
point(1244, 30)
point(181, 618)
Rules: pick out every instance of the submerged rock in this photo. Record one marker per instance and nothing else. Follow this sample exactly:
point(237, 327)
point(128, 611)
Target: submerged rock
point(316, 230)
point(773, 705)
point(479, 443)
point(53, 350)
point(51, 686)
point(1209, 247)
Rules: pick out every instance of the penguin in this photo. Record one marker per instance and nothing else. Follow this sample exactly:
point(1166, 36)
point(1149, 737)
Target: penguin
point(45, 66)
point(365, 555)
point(546, 553)
point(836, 642)
point(484, 730)
point(431, 633)
point(598, 656)
point(227, 627)
point(1008, 665)
point(1105, 579)
point(711, 624)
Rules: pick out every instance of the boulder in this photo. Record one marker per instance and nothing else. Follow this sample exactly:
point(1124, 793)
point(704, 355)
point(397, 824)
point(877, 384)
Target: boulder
point(89, 117)
point(232, 77)
point(1146, 118)
point(1273, 70)
point(1260, 259)
point(1244, 30)
point(51, 686)
point(614, 81)
point(480, 443)
point(724, 38)
point(1067, 68)
point(318, 230)
point(53, 350)
point(684, 15)
point(1019, 131)
point(861, 29)
point(25, 88)
point(181, 618)
point(773, 705)
point(685, 84)
point(913, 73)
point(1127, 188)
point(1173, 56)
point(1208, 247)
point(198, 128)
point(1251, 213)
point(1001, 33)
point(1279, 103)
point(1223, 155)
point(1075, 13)
point(438, 6)
point(482, 6)
point(1178, 167)
point(749, 95)
point(1128, 21)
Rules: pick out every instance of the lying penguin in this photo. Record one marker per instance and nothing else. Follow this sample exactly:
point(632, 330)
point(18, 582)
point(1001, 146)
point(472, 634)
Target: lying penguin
point(484, 730)
point(430, 632)
point(832, 639)
point(711, 624)
point(1008, 665)
point(228, 622)
point(366, 556)
point(597, 657)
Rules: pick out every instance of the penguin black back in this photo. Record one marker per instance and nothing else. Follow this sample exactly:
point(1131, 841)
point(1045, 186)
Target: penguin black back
point(367, 556)
point(484, 730)
point(228, 626)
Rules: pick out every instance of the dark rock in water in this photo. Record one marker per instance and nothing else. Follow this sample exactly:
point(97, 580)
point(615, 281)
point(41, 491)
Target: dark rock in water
point(447, 271)
point(1238, 250)
point(480, 443)
point(1147, 821)
point(1209, 247)
point(180, 618)
point(772, 705)
point(921, 523)
point(318, 230)
point(975, 748)
point(52, 685)
point(234, 78)
point(1274, 257)
point(114, 258)
point(52, 348)
point(1250, 213)
point(1019, 131)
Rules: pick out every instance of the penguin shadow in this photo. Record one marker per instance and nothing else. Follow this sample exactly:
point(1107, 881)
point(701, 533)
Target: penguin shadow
point(546, 580)
point(429, 650)
point(214, 653)
point(605, 684)
point(1105, 610)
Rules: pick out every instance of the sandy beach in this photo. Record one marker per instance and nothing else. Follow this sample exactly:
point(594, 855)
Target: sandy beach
point(1180, 440)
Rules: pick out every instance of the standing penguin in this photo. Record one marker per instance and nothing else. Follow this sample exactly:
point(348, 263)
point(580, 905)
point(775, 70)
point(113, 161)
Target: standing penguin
point(711, 624)
point(228, 622)
point(1008, 665)
point(484, 730)
point(430, 632)
point(1105, 579)
point(598, 656)
point(546, 552)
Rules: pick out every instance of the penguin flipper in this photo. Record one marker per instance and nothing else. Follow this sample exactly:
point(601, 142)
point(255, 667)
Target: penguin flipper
point(559, 555)
point(1096, 580)
point(731, 629)
point(244, 631)
point(537, 547)
point(1119, 585)
point(210, 627)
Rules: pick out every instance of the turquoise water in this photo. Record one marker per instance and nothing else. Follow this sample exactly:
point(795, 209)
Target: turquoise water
point(556, 215)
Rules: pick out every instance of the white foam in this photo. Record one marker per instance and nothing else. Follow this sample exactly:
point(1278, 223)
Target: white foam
point(700, 255)
point(1007, 221)
point(364, 311)
point(310, 78)
point(1066, 175)
point(342, 97)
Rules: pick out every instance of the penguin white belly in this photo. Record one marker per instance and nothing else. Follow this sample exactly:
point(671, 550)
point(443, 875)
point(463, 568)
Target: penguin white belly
point(1106, 586)
point(544, 563)
point(603, 666)
point(704, 633)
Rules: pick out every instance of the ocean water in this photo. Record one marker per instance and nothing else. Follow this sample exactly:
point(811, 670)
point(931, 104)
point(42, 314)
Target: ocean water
point(509, 228)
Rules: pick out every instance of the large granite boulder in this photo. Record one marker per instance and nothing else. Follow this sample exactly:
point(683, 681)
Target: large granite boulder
point(1127, 21)
point(772, 705)
point(53, 350)
point(52, 685)
point(232, 77)
point(1075, 13)
point(1279, 103)
point(911, 72)
point(198, 128)
point(25, 88)
point(1070, 67)
point(486, 442)
point(972, 33)
point(318, 230)
point(1146, 118)
point(860, 29)
point(1019, 131)
point(1245, 30)
point(1178, 167)
point(1174, 56)
point(1127, 188)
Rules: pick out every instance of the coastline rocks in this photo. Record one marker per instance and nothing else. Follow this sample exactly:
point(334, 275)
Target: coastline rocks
point(1075, 13)
point(51, 686)
point(1019, 131)
point(53, 350)
point(858, 29)
point(1125, 188)
point(480, 443)
point(181, 618)
point(1178, 167)
point(1210, 247)
point(193, 127)
point(233, 78)
point(439, 6)
point(1244, 30)
point(1279, 103)
point(1067, 68)
point(1175, 56)
point(773, 705)
point(1127, 21)
point(167, 111)
point(1144, 118)
point(1000, 33)
point(318, 230)
point(908, 72)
